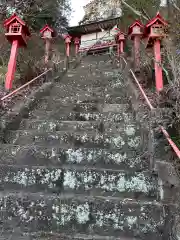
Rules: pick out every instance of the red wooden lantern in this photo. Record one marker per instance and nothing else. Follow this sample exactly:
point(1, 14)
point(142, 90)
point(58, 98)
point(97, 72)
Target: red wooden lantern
point(47, 33)
point(77, 44)
point(136, 29)
point(67, 39)
point(155, 29)
point(154, 33)
point(120, 39)
point(17, 34)
point(135, 32)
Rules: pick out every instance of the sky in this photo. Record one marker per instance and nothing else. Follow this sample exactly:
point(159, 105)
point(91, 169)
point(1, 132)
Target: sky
point(77, 15)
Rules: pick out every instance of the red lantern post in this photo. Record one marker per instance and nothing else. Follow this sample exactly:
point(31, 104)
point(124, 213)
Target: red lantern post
point(47, 34)
point(17, 33)
point(67, 40)
point(136, 32)
point(77, 44)
point(120, 38)
point(154, 33)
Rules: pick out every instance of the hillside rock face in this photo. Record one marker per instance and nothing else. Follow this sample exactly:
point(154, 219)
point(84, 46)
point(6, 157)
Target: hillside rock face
point(76, 168)
point(98, 10)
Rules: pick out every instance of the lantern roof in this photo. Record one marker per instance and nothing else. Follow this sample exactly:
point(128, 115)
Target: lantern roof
point(120, 32)
point(158, 18)
point(136, 23)
point(47, 27)
point(93, 27)
point(14, 18)
point(66, 36)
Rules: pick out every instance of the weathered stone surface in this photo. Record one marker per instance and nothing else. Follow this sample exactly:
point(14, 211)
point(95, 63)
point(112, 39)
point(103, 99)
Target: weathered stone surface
point(11, 119)
point(95, 181)
point(78, 166)
point(101, 95)
point(51, 236)
point(80, 116)
point(83, 107)
point(83, 215)
point(135, 185)
point(56, 156)
point(126, 139)
point(99, 126)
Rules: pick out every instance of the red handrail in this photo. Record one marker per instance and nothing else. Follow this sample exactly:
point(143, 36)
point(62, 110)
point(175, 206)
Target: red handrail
point(28, 83)
point(23, 86)
point(173, 145)
point(142, 91)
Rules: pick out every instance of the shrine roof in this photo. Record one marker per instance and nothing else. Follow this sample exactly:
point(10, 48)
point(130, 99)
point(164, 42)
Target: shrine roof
point(93, 27)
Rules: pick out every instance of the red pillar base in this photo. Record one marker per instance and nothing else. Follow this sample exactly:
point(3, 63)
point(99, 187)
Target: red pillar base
point(158, 68)
point(137, 53)
point(47, 50)
point(67, 50)
point(118, 49)
point(122, 46)
point(11, 65)
point(76, 49)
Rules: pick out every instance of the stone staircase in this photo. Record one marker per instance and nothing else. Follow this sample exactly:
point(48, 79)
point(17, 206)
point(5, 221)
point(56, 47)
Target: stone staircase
point(76, 168)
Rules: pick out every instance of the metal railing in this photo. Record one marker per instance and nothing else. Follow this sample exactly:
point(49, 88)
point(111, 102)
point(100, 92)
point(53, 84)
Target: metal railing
point(25, 85)
point(6, 100)
point(168, 138)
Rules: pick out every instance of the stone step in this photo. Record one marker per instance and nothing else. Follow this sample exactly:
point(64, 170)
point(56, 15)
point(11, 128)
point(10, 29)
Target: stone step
point(78, 237)
point(50, 104)
point(56, 156)
point(113, 84)
point(84, 112)
point(64, 106)
point(72, 215)
point(85, 80)
point(92, 69)
point(125, 140)
point(55, 236)
point(83, 97)
point(99, 126)
point(93, 81)
point(89, 97)
point(124, 116)
point(79, 179)
point(15, 236)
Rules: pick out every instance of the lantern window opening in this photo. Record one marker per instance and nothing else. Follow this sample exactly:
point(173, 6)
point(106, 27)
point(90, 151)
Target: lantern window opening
point(15, 28)
point(157, 29)
point(47, 34)
point(136, 29)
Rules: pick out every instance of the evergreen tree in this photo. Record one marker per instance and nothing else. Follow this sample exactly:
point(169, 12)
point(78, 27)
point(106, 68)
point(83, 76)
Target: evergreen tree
point(37, 13)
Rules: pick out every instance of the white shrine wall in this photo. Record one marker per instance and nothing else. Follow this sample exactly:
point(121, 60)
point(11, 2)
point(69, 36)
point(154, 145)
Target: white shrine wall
point(88, 40)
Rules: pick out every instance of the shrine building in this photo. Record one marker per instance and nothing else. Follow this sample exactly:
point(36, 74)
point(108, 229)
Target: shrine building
point(96, 36)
